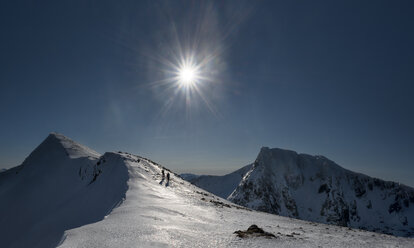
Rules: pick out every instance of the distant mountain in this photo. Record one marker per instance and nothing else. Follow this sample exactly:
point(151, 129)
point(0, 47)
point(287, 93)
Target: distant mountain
point(314, 188)
point(221, 186)
point(188, 176)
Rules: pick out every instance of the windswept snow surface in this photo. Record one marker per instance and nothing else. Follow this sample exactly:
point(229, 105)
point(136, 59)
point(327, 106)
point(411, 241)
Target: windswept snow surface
point(57, 198)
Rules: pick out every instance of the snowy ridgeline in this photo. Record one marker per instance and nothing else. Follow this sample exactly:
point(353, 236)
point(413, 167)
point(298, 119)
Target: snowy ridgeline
point(313, 188)
point(67, 195)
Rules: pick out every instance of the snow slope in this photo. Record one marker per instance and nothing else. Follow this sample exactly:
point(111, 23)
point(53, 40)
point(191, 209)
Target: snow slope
point(52, 192)
point(316, 189)
point(120, 200)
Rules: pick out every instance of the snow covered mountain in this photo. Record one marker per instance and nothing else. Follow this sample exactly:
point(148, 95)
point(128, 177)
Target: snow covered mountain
point(314, 188)
point(52, 191)
point(67, 195)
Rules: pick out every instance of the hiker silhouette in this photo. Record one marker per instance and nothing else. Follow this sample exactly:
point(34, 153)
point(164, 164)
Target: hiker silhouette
point(163, 177)
point(168, 180)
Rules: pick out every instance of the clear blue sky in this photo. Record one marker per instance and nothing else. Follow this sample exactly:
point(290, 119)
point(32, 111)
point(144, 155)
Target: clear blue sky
point(333, 78)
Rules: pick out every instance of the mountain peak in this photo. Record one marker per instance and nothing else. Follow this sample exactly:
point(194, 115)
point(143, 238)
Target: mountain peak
point(276, 157)
point(57, 147)
point(57, 136)
point(276, 152)
point(71, 148)
point(264, 148)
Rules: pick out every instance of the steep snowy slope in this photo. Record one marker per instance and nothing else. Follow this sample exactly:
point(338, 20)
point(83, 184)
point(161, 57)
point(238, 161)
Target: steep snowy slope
point(53, 190)
point(64, 195)
point(316, 189)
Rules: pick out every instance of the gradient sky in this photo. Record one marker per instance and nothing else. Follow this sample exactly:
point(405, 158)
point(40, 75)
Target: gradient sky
point(333, 78)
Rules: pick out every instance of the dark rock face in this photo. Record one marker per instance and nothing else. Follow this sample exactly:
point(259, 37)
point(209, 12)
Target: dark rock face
point(254, 231)
point(323, 188)
point(395, 207)
point(335, 210)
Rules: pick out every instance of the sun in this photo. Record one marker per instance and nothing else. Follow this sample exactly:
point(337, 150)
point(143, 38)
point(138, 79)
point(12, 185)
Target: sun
point(187, 75)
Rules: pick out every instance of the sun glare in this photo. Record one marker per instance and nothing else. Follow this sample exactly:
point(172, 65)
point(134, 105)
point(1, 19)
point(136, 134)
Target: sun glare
point(187, 75)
